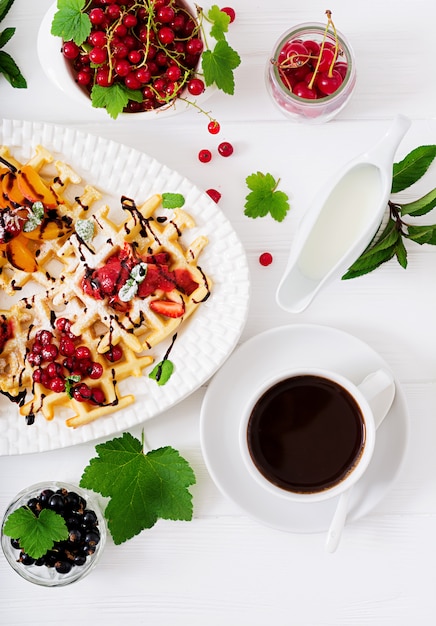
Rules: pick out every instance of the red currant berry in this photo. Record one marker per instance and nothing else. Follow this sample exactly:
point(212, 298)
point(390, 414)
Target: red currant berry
point(96, 16)
point(265, 259)
point(98, 55)
point(44, 337)
point(57, 384)
point(195, 86)
point(82, 352)
point(130, 20)
point(173, 73)
point(83, 78)
point(97, 397)
point(214, 194)
point(204, 156)
point(95, 371)
point(122, 67)
point(97, 38)
point(328, 84)
point(165, 35)
point(194, 46)
point(114, 353)
point(49, 352)
point(113, 11)
point(131, 81)
point(225, 149)
point(166, 14)
point(213, 127)
point(135, 56)
point(70, 50)
point(230, 12)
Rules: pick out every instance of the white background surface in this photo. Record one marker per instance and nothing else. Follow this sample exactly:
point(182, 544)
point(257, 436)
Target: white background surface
point(224, 568)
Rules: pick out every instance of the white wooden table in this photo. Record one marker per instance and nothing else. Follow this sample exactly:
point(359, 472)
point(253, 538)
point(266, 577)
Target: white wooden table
point(224, 567)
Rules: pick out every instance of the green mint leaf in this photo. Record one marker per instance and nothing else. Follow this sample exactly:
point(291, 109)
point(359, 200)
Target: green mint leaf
point(70, 382)
point(412, 167)
point(85, 230)
point(37, 534)
point(264, 197)
point(401, 253)
point(114, 98)
point(5, 5)
point(11, 71)
point(422, 234)
point(128, 290)
point(422, 206)
point(5, 36)
point(218, 65)
point(162, 372)
point(35, 218)
point(70, 22)
point(142, 487)
point(220, 22)
point(377, 253)
point(172, 200)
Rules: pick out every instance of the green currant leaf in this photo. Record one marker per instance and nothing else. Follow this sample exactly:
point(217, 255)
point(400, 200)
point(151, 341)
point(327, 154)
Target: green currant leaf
point(11, 71)
point(264, 197)
point(142, 487)
point(70, 22)
point(5, 5)
point(5, 36)
point(412, 167)
point(172, 200)
point(162, 372)
point(422, 206)
point(114, 98)
point(218, 65)
point(422, 234)
point(36, 534)
point(220, 22)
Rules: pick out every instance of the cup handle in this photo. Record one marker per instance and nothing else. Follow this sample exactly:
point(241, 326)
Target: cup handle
point(379, 391)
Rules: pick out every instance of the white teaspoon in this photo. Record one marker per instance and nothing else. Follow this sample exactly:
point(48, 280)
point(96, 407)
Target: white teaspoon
point(380, 408)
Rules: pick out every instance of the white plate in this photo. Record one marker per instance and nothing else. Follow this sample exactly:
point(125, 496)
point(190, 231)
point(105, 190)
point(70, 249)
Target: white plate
point(251, 365)
point(209, 336)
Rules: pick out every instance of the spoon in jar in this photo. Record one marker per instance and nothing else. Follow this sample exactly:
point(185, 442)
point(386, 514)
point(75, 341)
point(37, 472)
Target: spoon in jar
point(380, 406)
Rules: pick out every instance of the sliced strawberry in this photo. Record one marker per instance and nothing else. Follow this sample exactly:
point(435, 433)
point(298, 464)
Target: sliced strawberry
point(167, 308)
point(161, 258)
point(157, 277)
point(184, 281)
point(107, 278)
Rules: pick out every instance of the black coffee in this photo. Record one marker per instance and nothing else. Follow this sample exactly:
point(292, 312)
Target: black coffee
point(305, 433)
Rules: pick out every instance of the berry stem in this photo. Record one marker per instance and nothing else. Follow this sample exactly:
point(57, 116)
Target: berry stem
point(331, 23)
point(321, 50)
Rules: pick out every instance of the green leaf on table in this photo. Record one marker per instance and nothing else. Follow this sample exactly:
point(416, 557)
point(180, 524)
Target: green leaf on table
point(401, 253)
point(11, 71)
point(381, 250)
point(220, 22)
point(5, 5)
point(36, 533)
point(264, 197)
point(142, 487)
point(172, 200)
point(422, 234)
point(5, 36)
point(114, 98)
point(218, 65)
point(422, 206)
point(70, 22)
point(412, 167)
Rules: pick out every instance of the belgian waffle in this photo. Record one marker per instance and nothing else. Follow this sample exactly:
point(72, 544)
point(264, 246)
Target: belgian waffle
point(62, 291)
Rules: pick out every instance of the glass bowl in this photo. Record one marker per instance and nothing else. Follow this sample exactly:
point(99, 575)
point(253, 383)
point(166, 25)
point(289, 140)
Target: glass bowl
point(59, 72)
point(83, 555)
point(280, 85)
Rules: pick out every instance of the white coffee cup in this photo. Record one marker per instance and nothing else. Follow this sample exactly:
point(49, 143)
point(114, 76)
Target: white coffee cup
point(309, 434)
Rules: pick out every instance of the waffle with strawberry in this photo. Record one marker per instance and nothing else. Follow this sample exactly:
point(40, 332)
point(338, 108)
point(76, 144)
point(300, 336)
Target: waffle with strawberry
point(103, 287)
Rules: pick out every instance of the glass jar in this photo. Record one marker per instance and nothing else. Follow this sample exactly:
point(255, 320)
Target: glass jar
point(280, 87)
point(45, 571)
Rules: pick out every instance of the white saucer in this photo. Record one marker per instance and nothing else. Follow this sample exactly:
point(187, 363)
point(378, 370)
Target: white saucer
point(250, 366)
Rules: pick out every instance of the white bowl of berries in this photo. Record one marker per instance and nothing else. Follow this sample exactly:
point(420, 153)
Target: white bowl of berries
point(53, 533)
point(125, 56)
point(311, 74)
